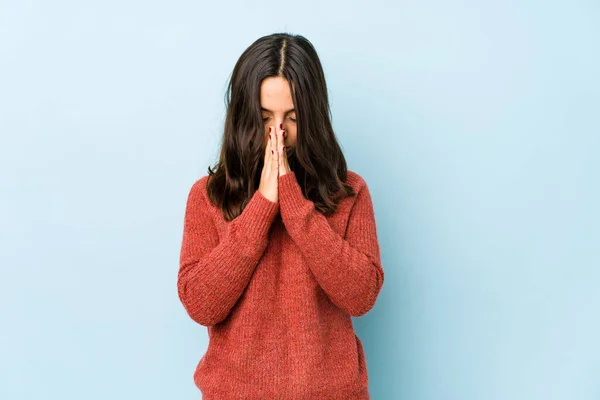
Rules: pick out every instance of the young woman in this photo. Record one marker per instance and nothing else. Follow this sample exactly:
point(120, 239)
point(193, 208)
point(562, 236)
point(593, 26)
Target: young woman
point(279, 246)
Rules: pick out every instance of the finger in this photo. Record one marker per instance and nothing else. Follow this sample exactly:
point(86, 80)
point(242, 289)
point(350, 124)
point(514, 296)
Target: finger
point(279, 140)
point(283, 150)
point(283, 163)
point(268, 154)
point(274, 155)
point(268, 149)
point(281, 147)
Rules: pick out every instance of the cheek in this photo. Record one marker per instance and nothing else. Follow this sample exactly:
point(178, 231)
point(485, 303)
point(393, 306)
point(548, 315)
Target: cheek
point(292, 135)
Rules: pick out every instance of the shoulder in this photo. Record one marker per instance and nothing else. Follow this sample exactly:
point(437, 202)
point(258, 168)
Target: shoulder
point(355, 180)
point(362, 200)
point(198, 201)
point(197, 191)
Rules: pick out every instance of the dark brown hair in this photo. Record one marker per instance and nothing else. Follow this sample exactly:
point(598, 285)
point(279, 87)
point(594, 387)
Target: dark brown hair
point(318, 161)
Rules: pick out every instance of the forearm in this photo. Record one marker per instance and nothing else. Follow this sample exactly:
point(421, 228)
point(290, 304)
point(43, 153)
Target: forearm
point(211, 278)
point(349, 271)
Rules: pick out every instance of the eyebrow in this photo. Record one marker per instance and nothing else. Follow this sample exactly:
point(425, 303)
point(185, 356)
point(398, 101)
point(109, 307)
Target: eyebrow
point(287, 112)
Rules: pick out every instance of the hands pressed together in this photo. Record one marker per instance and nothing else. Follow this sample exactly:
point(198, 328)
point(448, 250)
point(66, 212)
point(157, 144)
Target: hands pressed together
point(275, 165)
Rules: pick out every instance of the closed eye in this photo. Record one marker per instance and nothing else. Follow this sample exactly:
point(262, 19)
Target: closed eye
point(265, 119)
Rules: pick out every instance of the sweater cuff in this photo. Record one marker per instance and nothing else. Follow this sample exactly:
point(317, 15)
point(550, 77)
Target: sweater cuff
point(291, 198)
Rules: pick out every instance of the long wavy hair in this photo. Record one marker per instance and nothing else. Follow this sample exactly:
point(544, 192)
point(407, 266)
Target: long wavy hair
point(317, 161)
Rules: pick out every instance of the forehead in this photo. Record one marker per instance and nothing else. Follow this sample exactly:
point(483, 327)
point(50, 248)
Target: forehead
point(275, 94)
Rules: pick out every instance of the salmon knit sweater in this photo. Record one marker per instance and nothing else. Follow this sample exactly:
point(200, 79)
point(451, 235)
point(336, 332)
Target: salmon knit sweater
point(276, 288)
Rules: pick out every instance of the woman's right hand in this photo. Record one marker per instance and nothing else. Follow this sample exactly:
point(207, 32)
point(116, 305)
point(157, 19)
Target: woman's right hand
point(270, 172)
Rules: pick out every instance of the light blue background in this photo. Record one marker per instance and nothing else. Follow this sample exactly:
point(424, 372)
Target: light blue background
point(475, 124)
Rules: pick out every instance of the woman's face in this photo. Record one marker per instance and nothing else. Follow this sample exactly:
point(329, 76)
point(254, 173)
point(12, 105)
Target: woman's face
point(277, 108)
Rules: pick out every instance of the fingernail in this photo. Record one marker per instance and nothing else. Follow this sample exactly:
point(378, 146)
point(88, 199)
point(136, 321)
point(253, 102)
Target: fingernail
point(272, 152)
point(281, 126)
point(269, 129)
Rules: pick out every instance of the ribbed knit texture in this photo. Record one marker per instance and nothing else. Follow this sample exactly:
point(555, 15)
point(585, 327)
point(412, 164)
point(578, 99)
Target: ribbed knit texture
point(276, 288)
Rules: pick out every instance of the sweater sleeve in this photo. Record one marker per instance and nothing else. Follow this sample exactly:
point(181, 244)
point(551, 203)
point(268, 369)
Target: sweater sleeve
point(348, 269)
point(213, 273)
